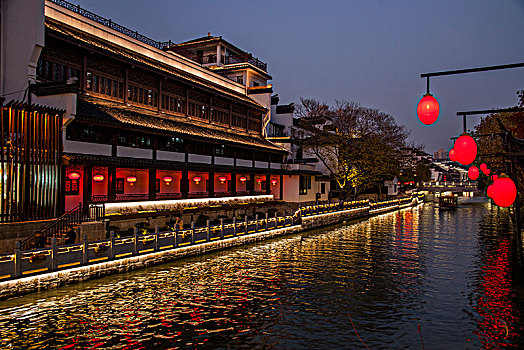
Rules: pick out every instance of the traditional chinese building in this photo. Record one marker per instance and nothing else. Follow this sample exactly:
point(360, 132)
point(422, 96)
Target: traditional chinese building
point(144, 122)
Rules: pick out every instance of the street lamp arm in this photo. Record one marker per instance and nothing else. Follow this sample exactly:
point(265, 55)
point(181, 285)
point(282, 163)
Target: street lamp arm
point(472, 70)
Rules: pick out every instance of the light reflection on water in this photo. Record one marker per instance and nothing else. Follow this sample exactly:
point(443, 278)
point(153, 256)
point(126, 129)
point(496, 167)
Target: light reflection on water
point(445, 271)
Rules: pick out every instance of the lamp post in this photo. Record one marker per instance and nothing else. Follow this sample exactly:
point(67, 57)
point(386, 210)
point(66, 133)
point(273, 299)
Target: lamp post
point(464, 117)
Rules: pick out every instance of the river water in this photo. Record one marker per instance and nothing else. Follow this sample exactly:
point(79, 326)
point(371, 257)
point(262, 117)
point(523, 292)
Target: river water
point(412, 279)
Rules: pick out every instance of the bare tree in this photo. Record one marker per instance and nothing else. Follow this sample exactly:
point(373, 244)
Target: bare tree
point(357, 145)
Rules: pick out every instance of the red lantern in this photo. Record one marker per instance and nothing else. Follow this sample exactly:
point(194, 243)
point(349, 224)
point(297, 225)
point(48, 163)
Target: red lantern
point(428, 109)
point(242, 179)
point(259, 181)
point(273, 182)
point(131, 180)
point(98, 177)
point(504, 191)
point(222, 179)
point(483, 167)
point(487, 172)
point(452, 156)
point(73, 176)
point(490, 191)
point(465, 149)
point(167, 180)
point(197, 179)
point(494, 177)
point(473, 173)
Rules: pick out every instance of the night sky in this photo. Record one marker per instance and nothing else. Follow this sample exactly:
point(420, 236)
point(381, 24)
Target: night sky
point(368, 51)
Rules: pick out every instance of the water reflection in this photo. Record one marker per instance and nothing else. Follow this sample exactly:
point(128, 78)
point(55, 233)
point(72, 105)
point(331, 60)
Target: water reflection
point(445, 271)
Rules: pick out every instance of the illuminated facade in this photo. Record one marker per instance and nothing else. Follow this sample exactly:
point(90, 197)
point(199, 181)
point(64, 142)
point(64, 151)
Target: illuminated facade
point(144, 122)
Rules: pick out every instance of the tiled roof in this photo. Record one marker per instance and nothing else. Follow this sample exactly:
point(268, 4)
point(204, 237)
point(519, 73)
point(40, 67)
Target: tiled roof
point(91, 40)
point(91, 109)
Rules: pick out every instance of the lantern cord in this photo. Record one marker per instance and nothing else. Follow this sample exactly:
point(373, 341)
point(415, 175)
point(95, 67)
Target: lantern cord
point(350, 320)
point(427, 84)
point(420, 332)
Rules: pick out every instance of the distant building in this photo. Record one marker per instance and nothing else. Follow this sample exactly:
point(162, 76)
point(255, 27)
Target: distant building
point(306, 182)
point(441, 154)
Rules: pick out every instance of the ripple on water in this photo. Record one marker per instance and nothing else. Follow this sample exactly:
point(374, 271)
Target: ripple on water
point(445, 271)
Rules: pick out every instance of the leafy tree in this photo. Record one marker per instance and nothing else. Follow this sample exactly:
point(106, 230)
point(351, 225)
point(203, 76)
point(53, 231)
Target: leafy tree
point(359, 146)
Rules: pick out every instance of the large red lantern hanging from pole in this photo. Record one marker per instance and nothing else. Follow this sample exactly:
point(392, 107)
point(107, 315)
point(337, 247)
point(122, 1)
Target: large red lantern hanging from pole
point(483, 167)
point(452, 156)
point(473, 173)
point(504, 191)
point(428, 109)
point(465, 149)
point(490, 191)
point(494, 177)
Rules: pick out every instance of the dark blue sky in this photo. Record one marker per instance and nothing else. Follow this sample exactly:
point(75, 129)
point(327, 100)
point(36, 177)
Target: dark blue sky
point(368, 51)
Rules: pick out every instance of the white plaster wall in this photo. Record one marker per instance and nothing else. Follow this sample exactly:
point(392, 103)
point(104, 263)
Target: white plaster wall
point(174, 60)
point(276, 166)
point(264, 165)
point(264, 100)
point(224, 161)
point(172, 156)
point(244, 163)
point(66, 102)
point(199, 158)
point(87, 148)
point(291, 187)
point(132, 152)
point(22, 39)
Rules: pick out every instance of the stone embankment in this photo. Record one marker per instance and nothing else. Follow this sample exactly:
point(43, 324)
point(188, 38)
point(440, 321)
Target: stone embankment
point(307, 218)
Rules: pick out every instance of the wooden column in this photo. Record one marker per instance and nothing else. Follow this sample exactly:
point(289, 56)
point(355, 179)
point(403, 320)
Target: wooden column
point(126, 84)
point(87, 184)
point(159, 96)
point(281, 186)
point(230, 114)
point(111, 196)
point(233, 184)
point(211, 189)
point(184, 184)
point(251, 184)
point(152, 183)
point(83, 79)
point(268, 184)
